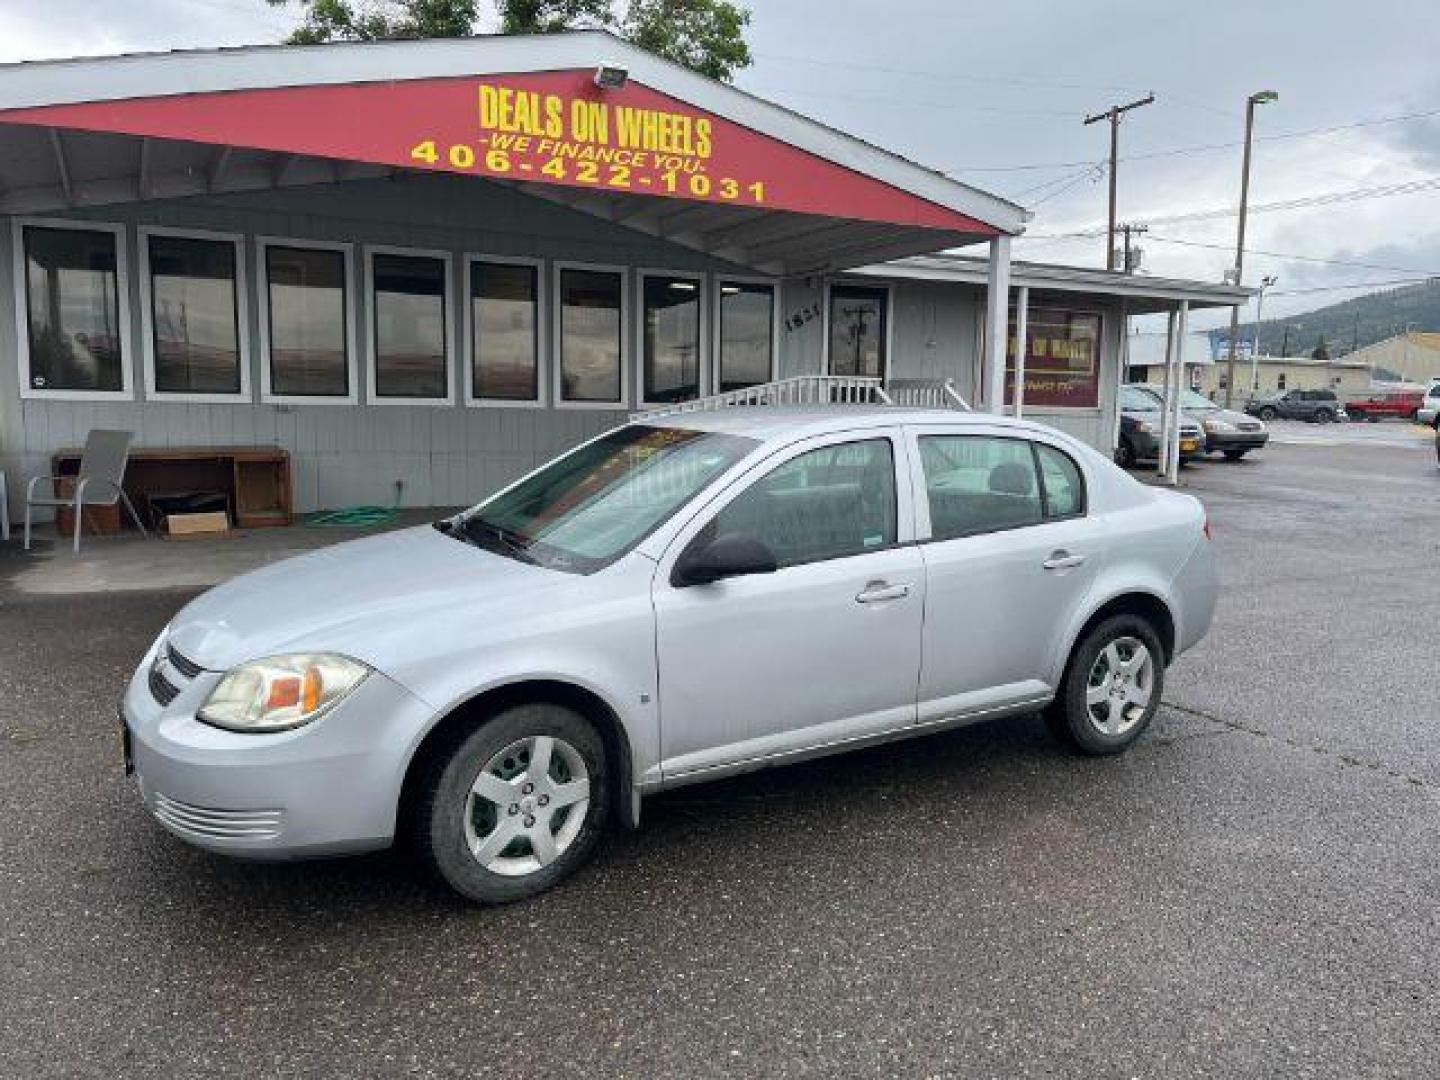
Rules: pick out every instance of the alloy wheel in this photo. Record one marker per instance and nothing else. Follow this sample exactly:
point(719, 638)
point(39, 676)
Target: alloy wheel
point(527, 806)
point(1120, 686)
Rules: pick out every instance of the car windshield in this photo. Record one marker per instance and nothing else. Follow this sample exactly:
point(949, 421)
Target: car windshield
point(586, 509)
point(1190, 401)
point(1133, 400)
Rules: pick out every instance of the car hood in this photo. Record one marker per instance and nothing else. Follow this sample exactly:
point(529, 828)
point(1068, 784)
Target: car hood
point(1230, 416)
point(350, 597)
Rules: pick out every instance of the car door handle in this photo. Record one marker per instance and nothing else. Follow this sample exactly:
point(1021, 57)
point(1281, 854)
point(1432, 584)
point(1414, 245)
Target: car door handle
point(1062, 560)
point(876, 591)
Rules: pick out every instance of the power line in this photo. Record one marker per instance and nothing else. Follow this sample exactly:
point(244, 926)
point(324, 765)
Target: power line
point(1352, 285)
point(1292, 256)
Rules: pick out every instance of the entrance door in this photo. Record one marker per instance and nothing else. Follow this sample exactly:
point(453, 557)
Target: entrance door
point(824, 649)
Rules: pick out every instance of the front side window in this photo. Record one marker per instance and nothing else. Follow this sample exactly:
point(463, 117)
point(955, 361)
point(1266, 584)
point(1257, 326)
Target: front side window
point(504, 331)
point(194, 315)
point(823, 504)
point(72, 299)
point(307, 306)
point(671, 356)
point(408, 312)
point(747, 334)
point(586, 509)
point(979, 484)
point(857, 331)
point(590, 336)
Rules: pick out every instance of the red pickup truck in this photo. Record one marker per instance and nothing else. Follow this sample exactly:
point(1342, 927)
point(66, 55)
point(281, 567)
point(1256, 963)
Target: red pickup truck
point(1403, 404)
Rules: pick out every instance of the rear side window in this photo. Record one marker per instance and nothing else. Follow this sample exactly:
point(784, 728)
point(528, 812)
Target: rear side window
point(1064, 487)
point(823, 504)
point(978, 484)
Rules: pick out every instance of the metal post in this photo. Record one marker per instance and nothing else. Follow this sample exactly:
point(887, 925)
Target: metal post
point(1173, 404)
point(1022, 328)
point(997, 310)
point(1265, 283)
point(1250, 103)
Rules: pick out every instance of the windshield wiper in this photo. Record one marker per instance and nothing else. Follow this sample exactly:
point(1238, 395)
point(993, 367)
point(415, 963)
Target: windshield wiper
point(512, 542)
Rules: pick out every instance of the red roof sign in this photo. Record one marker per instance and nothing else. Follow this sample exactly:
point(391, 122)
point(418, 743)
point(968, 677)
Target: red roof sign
point(553, 127)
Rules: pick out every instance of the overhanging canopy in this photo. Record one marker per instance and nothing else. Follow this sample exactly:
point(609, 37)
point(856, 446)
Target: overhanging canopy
point(669, 153)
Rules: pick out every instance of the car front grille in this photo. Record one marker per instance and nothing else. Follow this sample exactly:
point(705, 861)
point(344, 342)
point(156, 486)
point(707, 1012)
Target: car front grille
point(1250, 425)
point(161, 688)
point(206, 823)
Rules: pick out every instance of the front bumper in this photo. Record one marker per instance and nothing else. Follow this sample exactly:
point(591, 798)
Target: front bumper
point(1236, 440)
point(328, 788)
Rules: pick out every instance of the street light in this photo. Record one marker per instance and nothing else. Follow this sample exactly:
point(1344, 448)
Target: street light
point(1263, 97)
point(1265, 283)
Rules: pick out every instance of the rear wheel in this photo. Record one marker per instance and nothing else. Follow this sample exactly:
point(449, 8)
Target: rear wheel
point(1266, 414)
point(1111, 687)
point(1236, 455)
point(1323, 416)
point(516, 805)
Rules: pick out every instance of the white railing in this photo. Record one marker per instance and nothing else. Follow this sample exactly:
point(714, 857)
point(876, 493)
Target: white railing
point(825, 390)
point(800, 390)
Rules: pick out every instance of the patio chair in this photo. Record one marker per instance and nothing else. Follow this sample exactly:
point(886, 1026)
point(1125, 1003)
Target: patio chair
point(102, 471)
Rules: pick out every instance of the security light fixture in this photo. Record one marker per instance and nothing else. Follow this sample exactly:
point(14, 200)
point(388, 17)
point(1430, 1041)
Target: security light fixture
point(611, 76)
point(1264, 97)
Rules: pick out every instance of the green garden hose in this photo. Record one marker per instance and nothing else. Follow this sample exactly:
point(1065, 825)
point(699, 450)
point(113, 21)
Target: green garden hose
point(356, 517)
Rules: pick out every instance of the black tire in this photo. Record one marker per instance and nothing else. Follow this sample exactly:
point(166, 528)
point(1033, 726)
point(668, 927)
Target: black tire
point(1125, 454)
point(1324, 416)
point(1235, 455)
point(1266, 414)
point(1372, 418)
point(438, 815)
point(1069, 717)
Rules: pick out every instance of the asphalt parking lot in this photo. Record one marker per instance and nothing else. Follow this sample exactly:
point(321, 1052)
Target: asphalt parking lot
point(1250, 892)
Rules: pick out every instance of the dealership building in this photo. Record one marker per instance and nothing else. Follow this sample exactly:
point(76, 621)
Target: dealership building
point(440, 263)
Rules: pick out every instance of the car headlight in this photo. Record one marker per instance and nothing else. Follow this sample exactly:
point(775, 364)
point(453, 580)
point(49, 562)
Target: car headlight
point(281, 692)
point(1218, 426)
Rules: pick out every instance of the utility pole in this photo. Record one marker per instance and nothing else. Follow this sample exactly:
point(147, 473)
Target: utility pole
point(1261, 98)
point(1113, 114)
point(1265, 283)
point(1130, 263)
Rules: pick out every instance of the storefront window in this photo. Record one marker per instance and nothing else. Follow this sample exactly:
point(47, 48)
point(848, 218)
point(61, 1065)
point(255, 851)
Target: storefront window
point(194, 315)
point(590, 328)
point(857, 331)
point(408, 308)
point(747, 333)
point(672, 339)
point(504, 331)
point(72, 300)
point(1062, 359)
point(309, 344)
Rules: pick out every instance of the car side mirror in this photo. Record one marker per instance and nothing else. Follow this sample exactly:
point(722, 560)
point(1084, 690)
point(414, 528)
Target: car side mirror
point(730, 555)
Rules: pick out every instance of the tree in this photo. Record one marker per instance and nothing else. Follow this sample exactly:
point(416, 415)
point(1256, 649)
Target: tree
point(707, 36)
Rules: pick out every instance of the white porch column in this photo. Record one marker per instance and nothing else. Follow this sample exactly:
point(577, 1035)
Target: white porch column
point(1178, 384)
point(1164, 432)
point(1022, 327)
point(997, 324)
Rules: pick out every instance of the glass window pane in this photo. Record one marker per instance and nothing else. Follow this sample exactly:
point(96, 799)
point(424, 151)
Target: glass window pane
point(309, 352)
point(976, 484)
point(590, 335)
point(824, 504)
point(1062, 358)
point(1064, 487)
point(504, 327)
point(747, 334)
point(408, 306)
point(193, 310)
point(857, 331)
point(672, 339)
point(72, 297)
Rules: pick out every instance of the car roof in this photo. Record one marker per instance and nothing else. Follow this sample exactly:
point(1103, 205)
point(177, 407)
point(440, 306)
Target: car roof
point(771, 422)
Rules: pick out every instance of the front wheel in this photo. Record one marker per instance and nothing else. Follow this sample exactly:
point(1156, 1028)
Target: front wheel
point(1235, 455)
point(1324, 416)
point(1111, 687)
point(1266, 414)
point(516, 805)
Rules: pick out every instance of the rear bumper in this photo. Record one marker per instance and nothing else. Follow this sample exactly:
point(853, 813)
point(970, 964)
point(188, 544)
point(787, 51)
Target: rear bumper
point(328, 788)
point(1195, 589)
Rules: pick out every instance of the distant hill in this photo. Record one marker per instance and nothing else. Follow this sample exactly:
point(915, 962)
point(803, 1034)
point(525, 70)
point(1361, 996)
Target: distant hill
point(1352, 324)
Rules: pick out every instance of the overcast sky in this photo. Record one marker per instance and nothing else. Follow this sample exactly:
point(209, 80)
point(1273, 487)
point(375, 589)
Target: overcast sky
point(994, 93)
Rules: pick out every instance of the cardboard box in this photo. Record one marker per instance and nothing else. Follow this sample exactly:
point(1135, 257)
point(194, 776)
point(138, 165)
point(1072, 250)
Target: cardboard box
point(206, 524)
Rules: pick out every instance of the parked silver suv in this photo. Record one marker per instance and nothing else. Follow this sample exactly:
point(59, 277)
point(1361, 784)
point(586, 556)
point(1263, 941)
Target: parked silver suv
point(677, 600)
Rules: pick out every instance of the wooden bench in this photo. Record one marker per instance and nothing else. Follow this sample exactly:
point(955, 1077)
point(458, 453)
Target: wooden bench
point(256, 480)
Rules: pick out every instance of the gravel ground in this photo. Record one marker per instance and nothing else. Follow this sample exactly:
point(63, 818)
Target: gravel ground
point(1250, 892)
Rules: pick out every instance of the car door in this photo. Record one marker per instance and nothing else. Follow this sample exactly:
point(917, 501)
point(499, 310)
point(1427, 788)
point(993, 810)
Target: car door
point(824, 649)
point(1010, 553)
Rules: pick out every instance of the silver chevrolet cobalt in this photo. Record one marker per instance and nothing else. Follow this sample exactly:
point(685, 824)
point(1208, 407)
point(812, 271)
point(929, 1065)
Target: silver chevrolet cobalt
point(679, 599)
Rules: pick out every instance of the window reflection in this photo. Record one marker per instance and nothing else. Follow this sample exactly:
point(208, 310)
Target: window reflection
point(504, 347)
point(309, 353)
point(590, 335)
point(747, 334)
point(408, 306)
point(72, 299)
point(193, 312)
point(672, 339)
point(857, 331)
